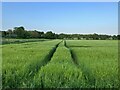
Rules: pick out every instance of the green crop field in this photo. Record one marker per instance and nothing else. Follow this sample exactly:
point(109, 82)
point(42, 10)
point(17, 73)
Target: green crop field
point(98, 61)
point(60, 64)
point(10, 41)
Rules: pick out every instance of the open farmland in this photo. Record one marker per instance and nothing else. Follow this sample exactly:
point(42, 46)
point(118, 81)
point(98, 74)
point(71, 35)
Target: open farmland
point(60, 72)
point(21, 61)
point(61, 64)
point(98, 61)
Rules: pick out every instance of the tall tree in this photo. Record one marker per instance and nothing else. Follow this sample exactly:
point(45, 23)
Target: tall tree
point(50, 35)
point(20, 32)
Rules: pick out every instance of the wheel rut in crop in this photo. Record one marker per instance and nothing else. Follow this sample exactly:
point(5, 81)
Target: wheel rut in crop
point(48, 58)
point(39, 65)
point(88, 76)
point(52, 52)
point(72, 54)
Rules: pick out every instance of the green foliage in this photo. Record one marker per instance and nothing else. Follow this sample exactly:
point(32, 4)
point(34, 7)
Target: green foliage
point(49, 35)
point(20, 32)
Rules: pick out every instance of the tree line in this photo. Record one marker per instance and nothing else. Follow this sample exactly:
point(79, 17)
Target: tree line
point(21, 33)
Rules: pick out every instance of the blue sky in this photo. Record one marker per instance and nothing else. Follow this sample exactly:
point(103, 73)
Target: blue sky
point(63, 17)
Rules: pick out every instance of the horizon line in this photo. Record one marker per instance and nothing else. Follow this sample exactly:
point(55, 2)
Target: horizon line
point(66, 32)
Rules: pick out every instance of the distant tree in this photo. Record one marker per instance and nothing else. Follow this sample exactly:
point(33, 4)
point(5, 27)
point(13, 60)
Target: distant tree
point(114, 37)
point(61, 36)
point(118, 37)
point(56, 36)
point(20, 32)
point(9, 33)
point(41, 34)
point(50, 35)
point(4, 33)
point(95, 36)
point(34, 34)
